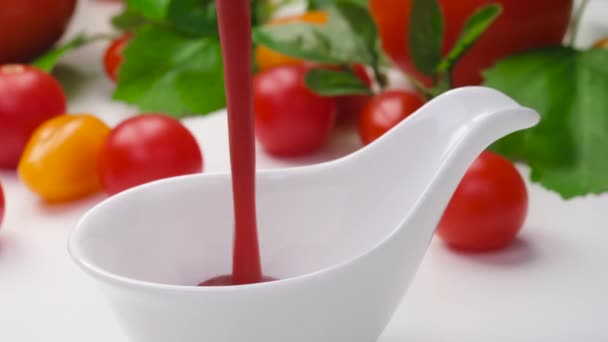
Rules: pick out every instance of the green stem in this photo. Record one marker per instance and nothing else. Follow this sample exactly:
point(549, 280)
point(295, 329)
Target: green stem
point(443, 84)
point(380, 76)
point(576, 23)
point(102, 36)
point(428, 93)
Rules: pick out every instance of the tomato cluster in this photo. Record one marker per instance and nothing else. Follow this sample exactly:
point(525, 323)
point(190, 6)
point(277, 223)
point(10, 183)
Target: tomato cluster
point(63, 157)
point(488, 209)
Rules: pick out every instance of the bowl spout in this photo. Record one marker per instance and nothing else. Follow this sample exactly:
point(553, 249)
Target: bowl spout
point(407, 177)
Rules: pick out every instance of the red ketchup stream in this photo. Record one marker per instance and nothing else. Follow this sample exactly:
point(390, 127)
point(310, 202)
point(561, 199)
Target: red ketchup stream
point(234, 18)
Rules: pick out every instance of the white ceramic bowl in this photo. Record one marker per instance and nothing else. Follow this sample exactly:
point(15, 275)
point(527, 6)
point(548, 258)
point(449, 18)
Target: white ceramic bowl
point(346, 237)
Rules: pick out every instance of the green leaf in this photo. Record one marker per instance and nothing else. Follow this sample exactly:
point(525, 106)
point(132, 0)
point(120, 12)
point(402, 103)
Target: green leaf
point(321, 4)
point(262, 11)
point(425, 36)
point(305, 41)
point(362, 27)
point(151, 9)
point(338, 42)
point(48, 61)
point(567, 150)
point(196, 17)
point(128, 20)
point(335, 83)
point(167, 72)
point(473, 29)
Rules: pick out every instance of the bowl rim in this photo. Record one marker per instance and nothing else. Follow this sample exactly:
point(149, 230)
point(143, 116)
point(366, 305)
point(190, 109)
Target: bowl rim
point(97, 272)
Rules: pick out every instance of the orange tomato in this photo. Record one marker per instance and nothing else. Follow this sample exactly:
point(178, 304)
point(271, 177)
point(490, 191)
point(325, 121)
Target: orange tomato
point(60, 160)
point(267, 58)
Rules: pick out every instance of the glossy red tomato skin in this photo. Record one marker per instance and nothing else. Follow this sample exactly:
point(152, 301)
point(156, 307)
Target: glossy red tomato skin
point(489, 207)
point(28, 97)
point(386, 111)
point(523, 25)
point(113, 58)
point(350, 106)
point(31, 27)
point(2, 205)
point(146, 148)
point(290, 119)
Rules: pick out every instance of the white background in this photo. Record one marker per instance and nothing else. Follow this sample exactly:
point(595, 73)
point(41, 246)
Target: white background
point(550, 286)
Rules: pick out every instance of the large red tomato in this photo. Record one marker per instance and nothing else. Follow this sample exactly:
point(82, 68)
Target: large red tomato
point(290, 119)
point(146, 148)
point(489, 207)
point(30, 27)
point(524, 24)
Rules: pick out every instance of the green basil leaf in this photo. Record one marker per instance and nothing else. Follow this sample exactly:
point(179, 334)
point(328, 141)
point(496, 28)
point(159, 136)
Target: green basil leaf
point(362, 27)
point(567, 87)
point(321, 4)
point(425, 36)
point(473, 29)
point(335, 83)
point(338, 42)
point(165, 71)
point(196, 17)
point(128, 20)
point(306, 41)
point(262, 11)
point(151, 9)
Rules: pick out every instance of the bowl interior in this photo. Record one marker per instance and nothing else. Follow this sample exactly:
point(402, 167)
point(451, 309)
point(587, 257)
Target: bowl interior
point(179, 231)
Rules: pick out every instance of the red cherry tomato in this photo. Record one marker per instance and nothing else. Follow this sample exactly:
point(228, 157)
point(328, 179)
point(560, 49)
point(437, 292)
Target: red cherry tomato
point(518, 28)
point(31, 27)
point(113, 58)
point(385, 111)
point(146, 148)
point(28, 97)
point(350, 106)
point(289, 118)
point(489, 207)
point(1, 205)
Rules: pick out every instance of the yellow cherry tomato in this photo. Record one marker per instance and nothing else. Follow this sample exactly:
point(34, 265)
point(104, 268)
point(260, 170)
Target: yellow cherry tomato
point(60, 160)
point(267, 58)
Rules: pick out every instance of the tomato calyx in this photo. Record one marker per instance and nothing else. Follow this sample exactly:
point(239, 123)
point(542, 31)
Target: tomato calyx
point(426, 38)
point(332, 44)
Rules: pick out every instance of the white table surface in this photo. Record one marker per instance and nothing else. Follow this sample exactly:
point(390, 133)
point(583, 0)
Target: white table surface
point(550, 286)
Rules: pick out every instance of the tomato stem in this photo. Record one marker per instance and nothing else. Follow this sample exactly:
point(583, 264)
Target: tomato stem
point(576, 22)
point(380, 77)
point(444, 83)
